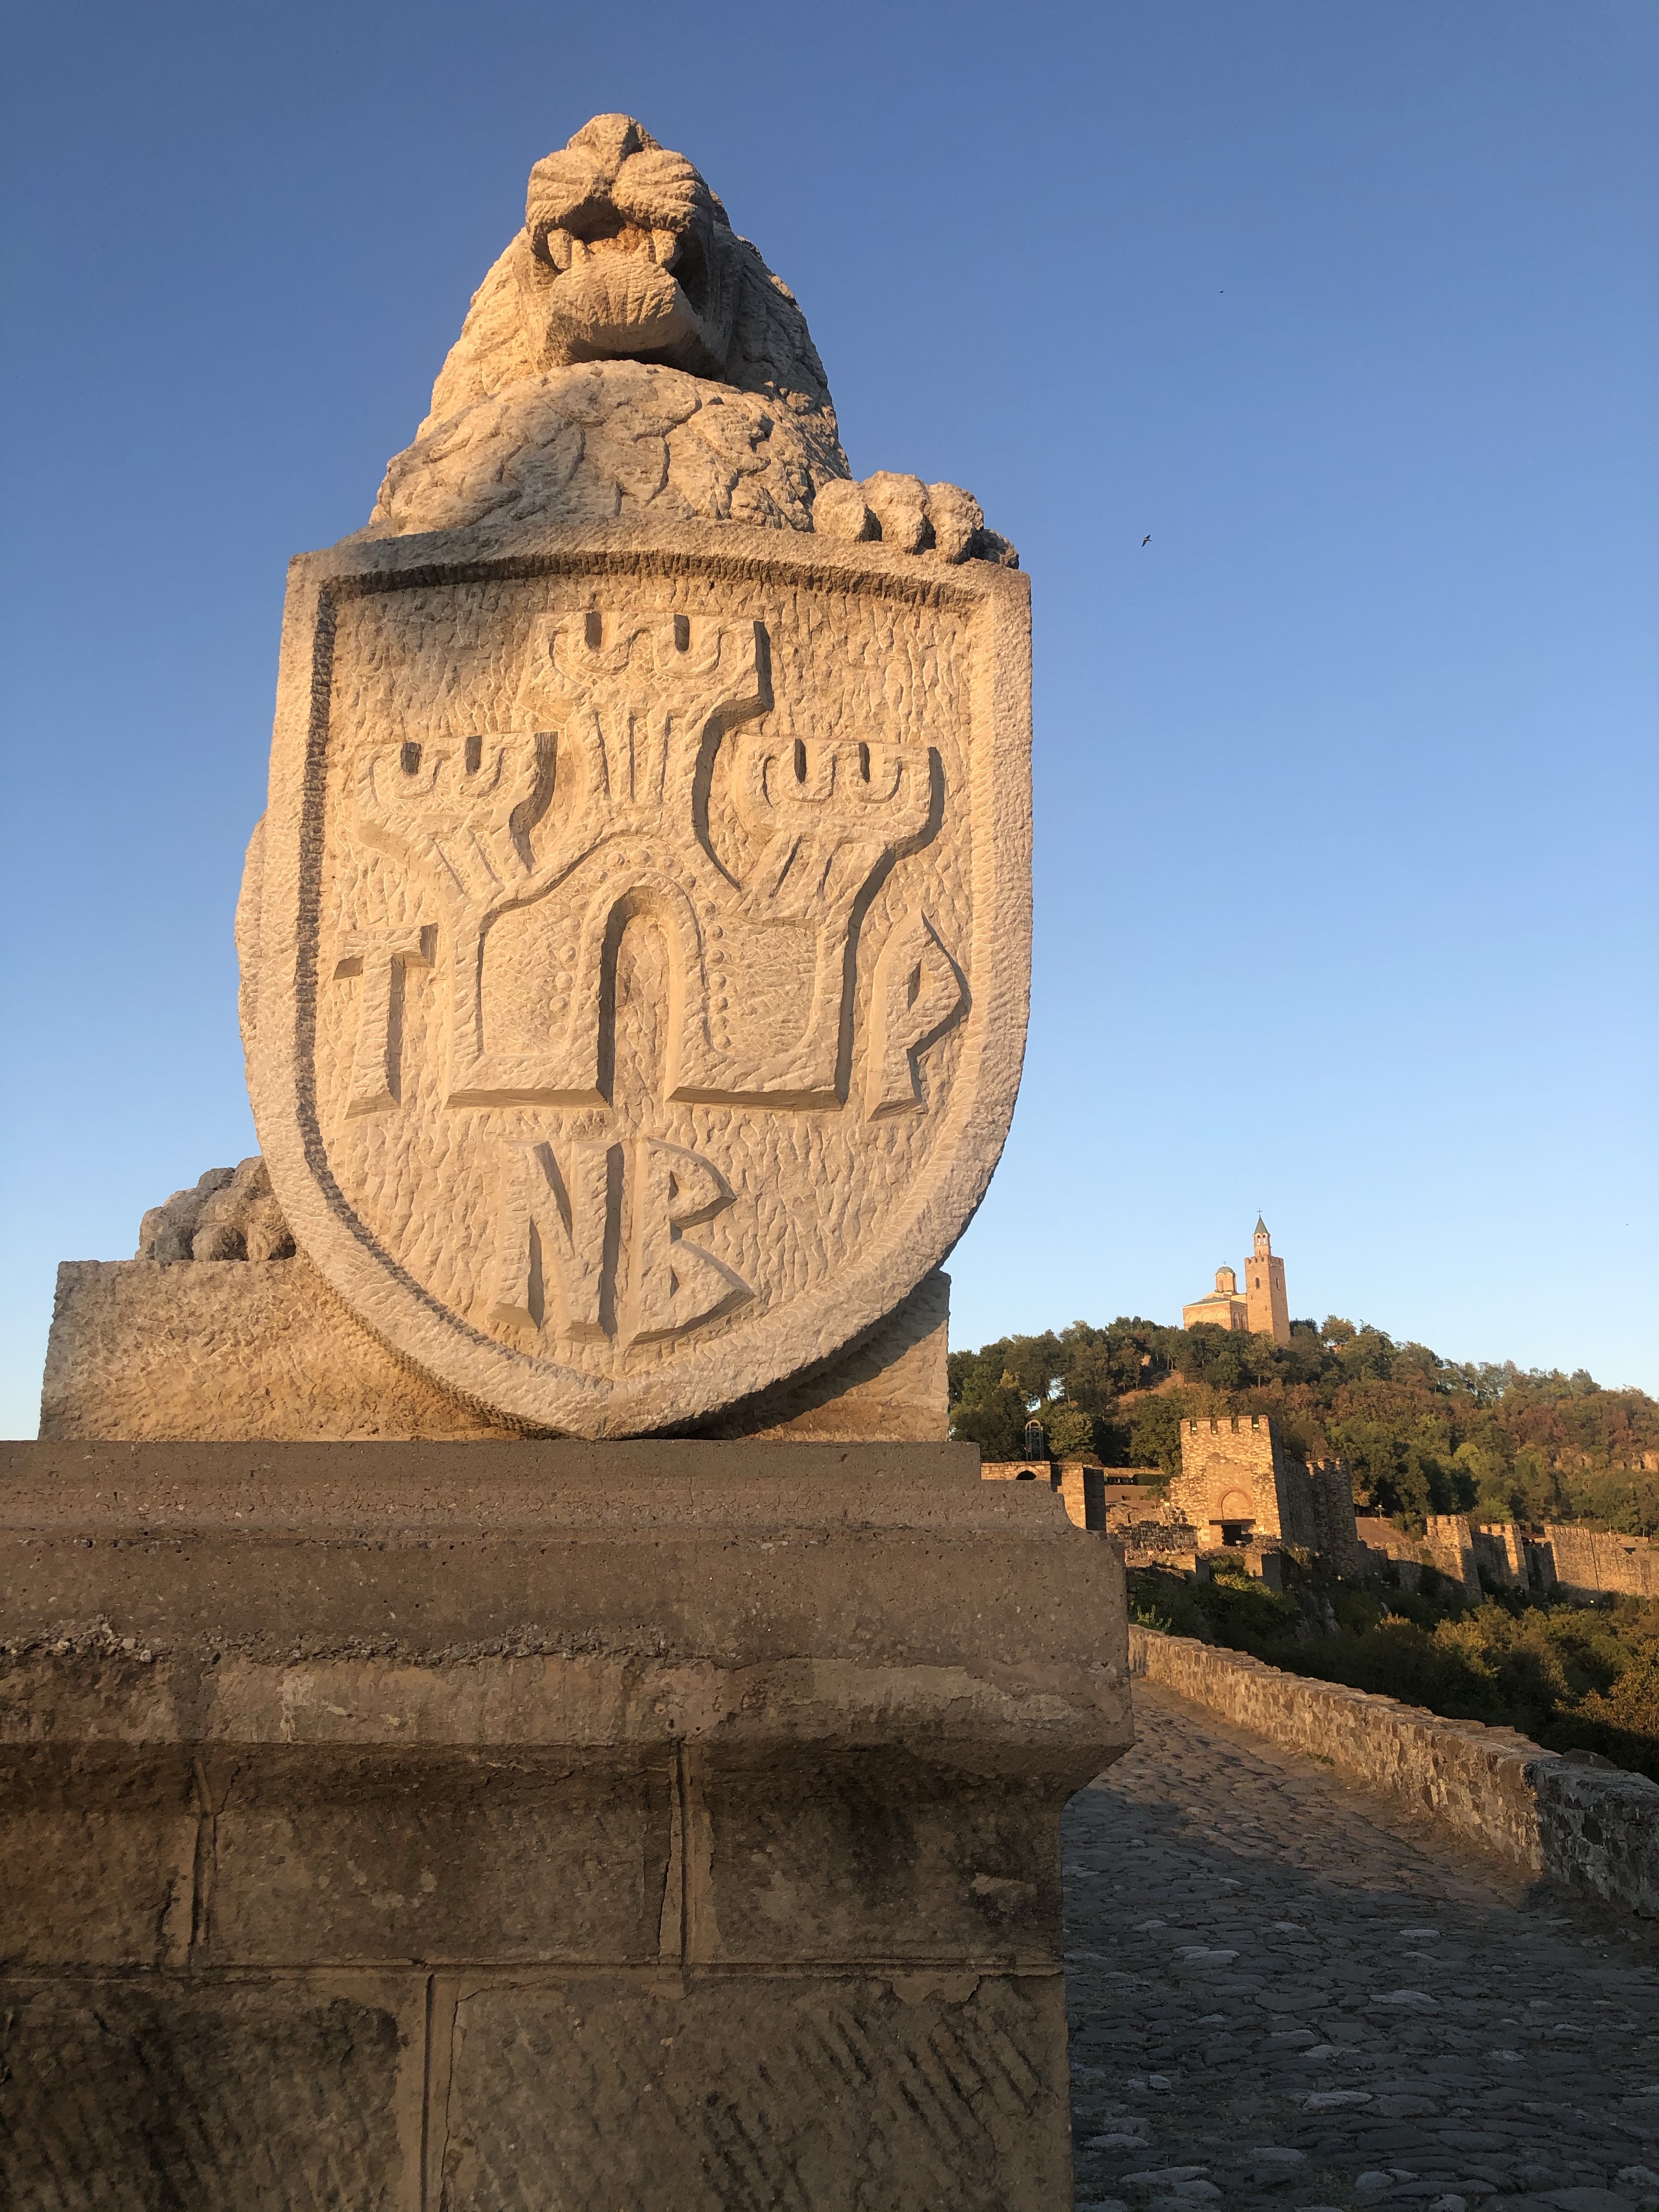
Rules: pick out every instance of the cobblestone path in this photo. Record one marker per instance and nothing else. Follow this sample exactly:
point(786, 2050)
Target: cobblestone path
point(1284, 1991)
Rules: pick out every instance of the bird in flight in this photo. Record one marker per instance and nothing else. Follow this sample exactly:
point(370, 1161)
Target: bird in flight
point(1148, 540)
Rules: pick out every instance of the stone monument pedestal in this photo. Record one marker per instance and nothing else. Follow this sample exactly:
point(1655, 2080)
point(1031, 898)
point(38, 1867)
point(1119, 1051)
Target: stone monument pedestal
point(152, 1351)
point(625, 1825)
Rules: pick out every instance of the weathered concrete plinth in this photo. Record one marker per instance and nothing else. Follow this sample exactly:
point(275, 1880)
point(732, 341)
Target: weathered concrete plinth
point(489, 1825)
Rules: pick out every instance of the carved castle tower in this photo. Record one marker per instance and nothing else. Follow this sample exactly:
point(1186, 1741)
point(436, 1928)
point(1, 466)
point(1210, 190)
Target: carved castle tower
point(1264, 1289)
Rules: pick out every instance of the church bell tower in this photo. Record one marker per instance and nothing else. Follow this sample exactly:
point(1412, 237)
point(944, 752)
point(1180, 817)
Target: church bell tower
point(1264, 1289)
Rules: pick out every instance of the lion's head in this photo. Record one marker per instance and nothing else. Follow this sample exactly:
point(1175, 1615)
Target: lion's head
point(626, 255)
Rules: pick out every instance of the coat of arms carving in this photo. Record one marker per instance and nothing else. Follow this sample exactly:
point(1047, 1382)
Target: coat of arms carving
point(642, 947)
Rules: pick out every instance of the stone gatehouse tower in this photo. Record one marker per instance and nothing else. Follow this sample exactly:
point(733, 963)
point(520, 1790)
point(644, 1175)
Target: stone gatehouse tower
point(1239, 1485)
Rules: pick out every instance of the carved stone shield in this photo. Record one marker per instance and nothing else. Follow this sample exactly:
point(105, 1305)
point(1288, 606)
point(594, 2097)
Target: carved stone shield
point(637, 960)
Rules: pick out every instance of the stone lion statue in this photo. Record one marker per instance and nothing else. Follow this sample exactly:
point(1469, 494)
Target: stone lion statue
point(630, 354)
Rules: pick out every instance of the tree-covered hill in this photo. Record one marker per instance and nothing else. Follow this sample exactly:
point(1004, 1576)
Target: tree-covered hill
point(1421, 1434)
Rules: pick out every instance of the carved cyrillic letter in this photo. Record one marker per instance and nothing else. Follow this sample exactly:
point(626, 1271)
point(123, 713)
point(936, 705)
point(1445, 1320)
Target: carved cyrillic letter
point(378, 957)
point(675, 1285)
point(546, 1215)
point(917, 994)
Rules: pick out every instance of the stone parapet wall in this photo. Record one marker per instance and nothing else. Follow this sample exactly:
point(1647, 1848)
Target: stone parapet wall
point(1595, 1827)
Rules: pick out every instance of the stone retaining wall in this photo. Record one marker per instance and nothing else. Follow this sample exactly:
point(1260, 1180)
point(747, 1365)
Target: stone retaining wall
point(1595, 1827)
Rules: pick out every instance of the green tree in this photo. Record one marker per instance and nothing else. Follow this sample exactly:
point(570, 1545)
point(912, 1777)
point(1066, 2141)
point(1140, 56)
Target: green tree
point(990, 1408)
point(1155, 1433)
point(1070, 1430)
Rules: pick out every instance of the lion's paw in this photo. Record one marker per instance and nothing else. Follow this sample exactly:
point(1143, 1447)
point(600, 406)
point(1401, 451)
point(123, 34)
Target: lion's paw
point(912, 516)
point(229, 1213)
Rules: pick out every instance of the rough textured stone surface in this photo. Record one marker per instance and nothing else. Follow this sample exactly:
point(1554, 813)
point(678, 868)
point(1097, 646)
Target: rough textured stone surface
point(1591, 1563)
point(637, 949)
point(845, 2091)
point(653, 1823)
point(1237, 1916)
point(893, 1386)
point(1595, 1828)
point(139, 1350)
point(145, 1352)
point(607, 440)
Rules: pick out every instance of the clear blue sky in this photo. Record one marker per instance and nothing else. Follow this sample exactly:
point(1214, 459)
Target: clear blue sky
point(1346, 786)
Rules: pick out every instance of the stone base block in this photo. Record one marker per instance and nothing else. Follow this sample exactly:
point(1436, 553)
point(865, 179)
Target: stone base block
point(212, 1351)
point(656, 1825)
point(135, 2094)
point(839, 2091)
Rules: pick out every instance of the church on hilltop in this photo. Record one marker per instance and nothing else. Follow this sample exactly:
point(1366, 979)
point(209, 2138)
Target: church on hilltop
point(1261, 1306)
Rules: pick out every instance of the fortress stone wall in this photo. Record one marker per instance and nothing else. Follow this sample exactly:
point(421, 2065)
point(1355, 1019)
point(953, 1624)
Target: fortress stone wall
point(1231, 1475)
point(1501, 1554)
point(1581, 1563)
point(1447, 1546)
point(1603, 1562)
